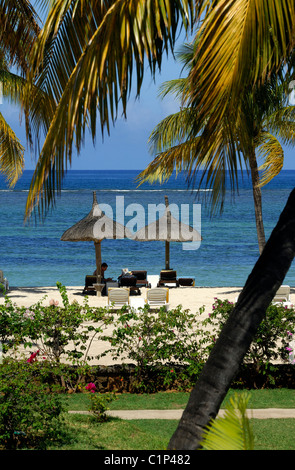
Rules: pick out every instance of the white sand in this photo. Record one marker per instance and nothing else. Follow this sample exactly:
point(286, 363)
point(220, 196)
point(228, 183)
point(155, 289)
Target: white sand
point(192, 298)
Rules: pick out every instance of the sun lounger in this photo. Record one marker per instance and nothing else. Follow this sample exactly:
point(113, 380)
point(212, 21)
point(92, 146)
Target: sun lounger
point(158, 297)
point(89, 281)
point(130, 282)
point(118, 297)
point(3, 282)
point(186, 281)
point(282, 296)
point(141, 277)
point(168, 277)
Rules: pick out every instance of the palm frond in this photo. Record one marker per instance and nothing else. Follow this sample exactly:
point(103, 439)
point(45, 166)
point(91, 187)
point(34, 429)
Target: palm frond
point(172, 130)
point(209, 170)
point(12, 86)
point(177, 158)
point(19, 29)
point(239, 44)
point(175, 87)
point(11, 153)
point(89, 51)
point(233, 431)
point(282, 124)
point(271, 151)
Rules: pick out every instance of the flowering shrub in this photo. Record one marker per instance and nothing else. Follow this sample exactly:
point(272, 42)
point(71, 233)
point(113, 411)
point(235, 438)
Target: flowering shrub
point(99, 402)
point(272, 340)
point(291, 347)
point(90, 387)
point(58, 333)
point(154, 340)
point(30, 416)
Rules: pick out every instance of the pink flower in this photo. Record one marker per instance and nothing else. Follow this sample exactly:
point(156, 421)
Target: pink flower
point(91, 387)
point(29, 314)
point(53, 302)
point(33, 356)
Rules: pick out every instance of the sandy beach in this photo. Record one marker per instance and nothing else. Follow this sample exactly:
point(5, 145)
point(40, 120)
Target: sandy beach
point(191, 298)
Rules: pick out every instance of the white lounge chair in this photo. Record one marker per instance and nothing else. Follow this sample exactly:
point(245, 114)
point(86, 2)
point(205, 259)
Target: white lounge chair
point(282, 296)
point(118, 297)
point(4, 282)
point(158, 297)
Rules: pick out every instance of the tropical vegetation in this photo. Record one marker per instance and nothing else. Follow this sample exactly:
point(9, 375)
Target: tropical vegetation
point(266, 119)
point(81, 66)
point(19, 30)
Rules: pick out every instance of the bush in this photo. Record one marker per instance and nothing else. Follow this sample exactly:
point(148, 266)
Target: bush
point(30, 416)
point(99, 402)
point(271, 341)
point(58, 333)
point(60, 336)
point(154, 341)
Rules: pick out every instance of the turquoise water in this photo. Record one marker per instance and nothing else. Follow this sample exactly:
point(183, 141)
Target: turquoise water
point(34, 255)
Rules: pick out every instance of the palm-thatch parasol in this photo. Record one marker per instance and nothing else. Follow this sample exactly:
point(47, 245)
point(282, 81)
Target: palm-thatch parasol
point(167, 229)
point(95, 227)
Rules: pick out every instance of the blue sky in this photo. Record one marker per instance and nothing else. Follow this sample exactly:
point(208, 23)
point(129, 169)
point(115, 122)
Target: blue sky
point(127, 145)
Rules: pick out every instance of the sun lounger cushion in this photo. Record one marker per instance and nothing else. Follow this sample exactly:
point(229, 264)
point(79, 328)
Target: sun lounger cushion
point(118, 297)
point(158, 297)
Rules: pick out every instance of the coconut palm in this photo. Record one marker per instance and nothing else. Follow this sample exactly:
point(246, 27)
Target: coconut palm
point(265, 118)
point(11, 150)
point(19, 29)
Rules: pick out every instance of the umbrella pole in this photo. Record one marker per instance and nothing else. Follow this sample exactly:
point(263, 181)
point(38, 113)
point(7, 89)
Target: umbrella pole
point(98, 286)
point(167, 255)
point(98, 260)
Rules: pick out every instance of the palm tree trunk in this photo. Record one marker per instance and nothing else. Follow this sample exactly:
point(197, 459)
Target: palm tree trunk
point(236, 336)
point(257, 200)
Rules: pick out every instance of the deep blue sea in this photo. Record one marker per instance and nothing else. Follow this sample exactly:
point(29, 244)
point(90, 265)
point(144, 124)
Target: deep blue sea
point(34, 255)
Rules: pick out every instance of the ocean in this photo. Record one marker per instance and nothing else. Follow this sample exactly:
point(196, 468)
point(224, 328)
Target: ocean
point(33, 254)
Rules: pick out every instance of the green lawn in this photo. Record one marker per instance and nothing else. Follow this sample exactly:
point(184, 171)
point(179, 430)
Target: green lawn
point(277, 398)
point(84, 433)
point(154, 434)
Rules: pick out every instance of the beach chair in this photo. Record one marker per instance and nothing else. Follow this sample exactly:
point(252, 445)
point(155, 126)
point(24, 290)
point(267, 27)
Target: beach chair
point(130, 282)
point(158, 297)
point(89, 281)
point(118, 297)
point(141, 278)
point(168, 277)
point(3, 282)
point(282, 296)
point(186, 281)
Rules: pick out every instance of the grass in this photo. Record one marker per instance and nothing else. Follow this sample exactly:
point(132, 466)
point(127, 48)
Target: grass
point(84, 433)
point(268, 398)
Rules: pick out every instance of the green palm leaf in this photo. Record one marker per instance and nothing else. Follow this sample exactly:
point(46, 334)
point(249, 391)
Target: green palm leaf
point(90, 51)
point(19, 29)
point(11, 153)
point(239, 43)
point(18, 32)
point(271, 151)
point(233, 431)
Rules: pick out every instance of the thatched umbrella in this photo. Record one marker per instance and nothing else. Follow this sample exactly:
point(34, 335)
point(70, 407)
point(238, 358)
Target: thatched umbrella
point(95, 227)
point(167, 229)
